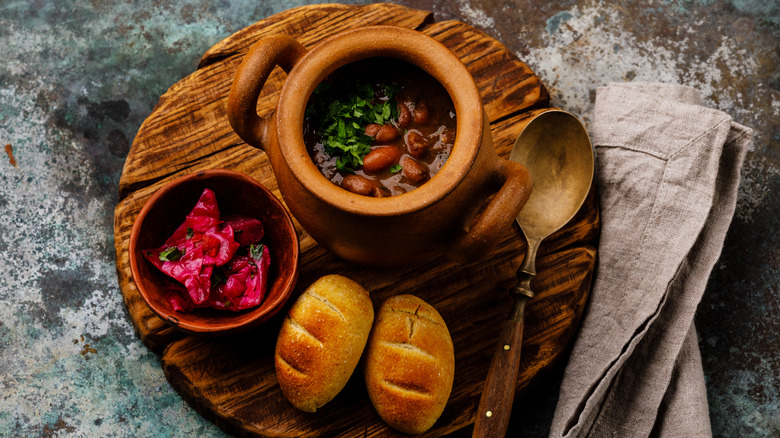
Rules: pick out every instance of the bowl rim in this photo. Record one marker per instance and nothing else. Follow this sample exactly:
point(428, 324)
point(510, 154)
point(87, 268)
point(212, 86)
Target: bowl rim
point(229, 326)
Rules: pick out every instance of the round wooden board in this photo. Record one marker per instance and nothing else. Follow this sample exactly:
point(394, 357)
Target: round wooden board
point(232, 380)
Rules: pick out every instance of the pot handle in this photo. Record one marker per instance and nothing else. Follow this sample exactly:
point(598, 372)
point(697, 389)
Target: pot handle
point(482, 236)
point(263, 56)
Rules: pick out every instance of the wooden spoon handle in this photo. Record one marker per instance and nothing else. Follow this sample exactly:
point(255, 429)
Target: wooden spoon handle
point(495, 405)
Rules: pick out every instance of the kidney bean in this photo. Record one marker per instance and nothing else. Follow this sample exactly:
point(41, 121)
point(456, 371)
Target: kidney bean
point(404, 115)
point(421, 114)
point(358, 184)
point(372, 129)
point(416, 143)
point(381, 158)
point(380, 192)
point(448, 136)
point(382, 133)
point(414, 170)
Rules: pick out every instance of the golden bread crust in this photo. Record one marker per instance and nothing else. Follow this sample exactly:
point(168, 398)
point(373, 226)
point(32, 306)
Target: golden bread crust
point(409, 364)
point(321, 341)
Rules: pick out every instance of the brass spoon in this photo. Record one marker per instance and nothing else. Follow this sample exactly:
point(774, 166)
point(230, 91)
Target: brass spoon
point(555, 148)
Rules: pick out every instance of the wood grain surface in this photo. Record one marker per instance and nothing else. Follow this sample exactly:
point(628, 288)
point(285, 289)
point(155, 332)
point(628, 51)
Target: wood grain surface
point(232, 380)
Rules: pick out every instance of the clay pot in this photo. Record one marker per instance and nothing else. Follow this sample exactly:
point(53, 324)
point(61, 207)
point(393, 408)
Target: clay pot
point(439, 216)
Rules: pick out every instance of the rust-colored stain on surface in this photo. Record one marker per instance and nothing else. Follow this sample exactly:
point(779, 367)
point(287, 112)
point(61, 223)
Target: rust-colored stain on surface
point(88, 349)
point(10, 151)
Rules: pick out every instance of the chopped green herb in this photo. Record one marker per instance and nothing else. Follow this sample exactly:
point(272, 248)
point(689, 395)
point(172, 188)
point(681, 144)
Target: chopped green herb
point(190, 232)
point(395, 168)
point(171, 254)
point(256, 251)
point(341, 116)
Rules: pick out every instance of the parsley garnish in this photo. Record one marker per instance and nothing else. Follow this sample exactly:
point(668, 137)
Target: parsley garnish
point(341, 116)
point(395, 168)
point(256, 251)
point(171, 254)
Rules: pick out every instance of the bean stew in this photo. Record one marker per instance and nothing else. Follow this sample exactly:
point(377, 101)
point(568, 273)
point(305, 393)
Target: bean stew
point(379, 127)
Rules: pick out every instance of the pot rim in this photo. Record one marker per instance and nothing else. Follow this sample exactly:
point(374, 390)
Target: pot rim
point(354, 45)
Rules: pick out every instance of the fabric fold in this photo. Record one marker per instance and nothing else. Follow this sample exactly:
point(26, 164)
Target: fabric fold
point(667, 171)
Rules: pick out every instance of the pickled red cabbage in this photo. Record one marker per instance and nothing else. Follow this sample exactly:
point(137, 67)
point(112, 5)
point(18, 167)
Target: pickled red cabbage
point(219, 263)
point(247, 230)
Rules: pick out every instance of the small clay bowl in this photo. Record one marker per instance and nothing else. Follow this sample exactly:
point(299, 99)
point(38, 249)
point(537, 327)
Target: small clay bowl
point(236, 193)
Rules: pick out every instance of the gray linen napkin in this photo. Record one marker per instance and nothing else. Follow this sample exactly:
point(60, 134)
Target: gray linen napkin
point(667, 171)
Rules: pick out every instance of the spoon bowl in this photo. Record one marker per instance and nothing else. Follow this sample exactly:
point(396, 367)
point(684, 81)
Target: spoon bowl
point(556, 150)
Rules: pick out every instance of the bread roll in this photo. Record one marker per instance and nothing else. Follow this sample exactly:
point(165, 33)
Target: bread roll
point(321, 341)
point(409, 364)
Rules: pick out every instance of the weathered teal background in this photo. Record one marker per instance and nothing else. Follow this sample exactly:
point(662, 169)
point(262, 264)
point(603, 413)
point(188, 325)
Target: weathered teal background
point(78, 77)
